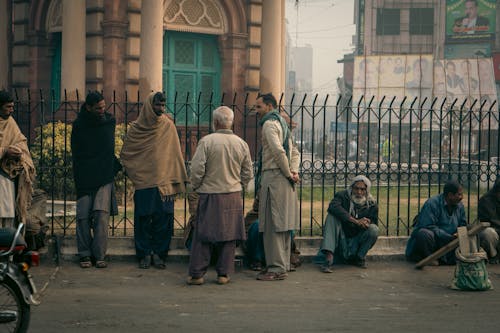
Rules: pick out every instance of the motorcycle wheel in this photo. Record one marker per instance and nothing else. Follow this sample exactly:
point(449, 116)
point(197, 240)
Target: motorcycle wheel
point(12, 304)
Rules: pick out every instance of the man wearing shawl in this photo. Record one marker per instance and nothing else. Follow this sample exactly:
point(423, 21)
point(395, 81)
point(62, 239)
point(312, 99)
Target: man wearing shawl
point(276, 178)
point(152, 158)
point(15, 164)
point(221, 168)
point(94, 168)
point(350, 228)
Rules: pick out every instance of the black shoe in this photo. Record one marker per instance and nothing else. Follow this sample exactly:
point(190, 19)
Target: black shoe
point(360, 262)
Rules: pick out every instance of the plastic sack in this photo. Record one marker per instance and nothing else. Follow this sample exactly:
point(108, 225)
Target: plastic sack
point(470, 272)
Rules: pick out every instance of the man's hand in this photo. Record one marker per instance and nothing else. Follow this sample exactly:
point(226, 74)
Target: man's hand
point(295, 177)
point(363, 222)
point(13, 152)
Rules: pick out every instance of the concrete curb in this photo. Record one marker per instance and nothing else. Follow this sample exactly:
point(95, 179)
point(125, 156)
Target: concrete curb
point(387, 248)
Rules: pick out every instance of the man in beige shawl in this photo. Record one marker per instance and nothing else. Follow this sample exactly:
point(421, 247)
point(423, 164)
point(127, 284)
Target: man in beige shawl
point(15, 162)
point(152, 158)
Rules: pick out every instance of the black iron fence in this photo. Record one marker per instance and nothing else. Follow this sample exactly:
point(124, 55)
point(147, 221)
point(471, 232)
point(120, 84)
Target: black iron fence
point(408, 151)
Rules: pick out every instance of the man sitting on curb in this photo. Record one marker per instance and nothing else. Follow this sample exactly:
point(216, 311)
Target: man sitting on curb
point(350, 228)
point(489, 211)
point(437, 225)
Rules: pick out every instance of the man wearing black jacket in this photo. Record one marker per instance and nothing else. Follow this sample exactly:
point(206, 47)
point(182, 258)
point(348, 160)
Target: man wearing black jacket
point(94, 169)
point(489, 211)
point(350, 228)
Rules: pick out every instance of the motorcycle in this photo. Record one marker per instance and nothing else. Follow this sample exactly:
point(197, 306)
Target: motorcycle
point(17, 289)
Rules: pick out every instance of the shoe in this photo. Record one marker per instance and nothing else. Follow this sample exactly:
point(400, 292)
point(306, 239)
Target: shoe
point(221, 279)
point(327, 268)
point(145, 262)
point(271, 276)
point(360, 262)
point(195, 281)
point(85, 262)
point(101, 264)
point(159, 262)
point(256, 266)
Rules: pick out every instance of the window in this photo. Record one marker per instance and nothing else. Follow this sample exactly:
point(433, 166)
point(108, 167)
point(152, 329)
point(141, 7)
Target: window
point(421, 21)
point(388, 21)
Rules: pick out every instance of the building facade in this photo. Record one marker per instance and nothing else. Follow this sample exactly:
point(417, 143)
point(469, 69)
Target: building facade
point(134, 46)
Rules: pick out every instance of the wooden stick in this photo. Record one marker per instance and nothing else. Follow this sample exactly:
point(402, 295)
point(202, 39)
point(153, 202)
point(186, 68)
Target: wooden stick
point(474, 230)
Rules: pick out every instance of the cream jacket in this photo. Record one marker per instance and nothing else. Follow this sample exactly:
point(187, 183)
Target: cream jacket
point(221, 164)
point(273, 153)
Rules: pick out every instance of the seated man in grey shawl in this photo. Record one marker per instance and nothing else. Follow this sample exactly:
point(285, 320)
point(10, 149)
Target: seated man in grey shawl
point(350, 228)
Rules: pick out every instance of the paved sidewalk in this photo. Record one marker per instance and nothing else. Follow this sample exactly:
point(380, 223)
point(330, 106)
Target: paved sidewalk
point(386, 297)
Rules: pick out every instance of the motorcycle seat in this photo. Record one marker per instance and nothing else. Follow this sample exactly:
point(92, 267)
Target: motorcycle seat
point(6, 237)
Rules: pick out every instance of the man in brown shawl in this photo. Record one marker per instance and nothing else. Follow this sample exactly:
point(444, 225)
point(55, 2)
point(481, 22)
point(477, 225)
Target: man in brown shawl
point(220, 169)
point(15, 164)
point(152, 158)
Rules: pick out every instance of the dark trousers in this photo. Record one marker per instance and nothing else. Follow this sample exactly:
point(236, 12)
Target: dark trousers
point(153, 234)
point(426, 243)
point(201, 253)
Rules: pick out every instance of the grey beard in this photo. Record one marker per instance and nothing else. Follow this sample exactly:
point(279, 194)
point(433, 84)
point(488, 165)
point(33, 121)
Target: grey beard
point(358, 201)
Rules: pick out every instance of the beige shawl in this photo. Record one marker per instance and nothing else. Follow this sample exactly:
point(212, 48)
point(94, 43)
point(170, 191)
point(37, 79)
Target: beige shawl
point(151, 153)
point(10, 135)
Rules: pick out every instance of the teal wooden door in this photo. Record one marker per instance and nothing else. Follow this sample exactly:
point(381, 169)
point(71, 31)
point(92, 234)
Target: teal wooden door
point(55, 77)
point(191, 76)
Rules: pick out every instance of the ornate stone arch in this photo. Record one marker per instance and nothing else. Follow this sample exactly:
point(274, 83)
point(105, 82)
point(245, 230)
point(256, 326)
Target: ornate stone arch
point(53, 22)
point(199, 16)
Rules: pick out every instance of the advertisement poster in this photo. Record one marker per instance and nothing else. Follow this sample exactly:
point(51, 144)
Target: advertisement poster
point(400, 80)
point(470, 20)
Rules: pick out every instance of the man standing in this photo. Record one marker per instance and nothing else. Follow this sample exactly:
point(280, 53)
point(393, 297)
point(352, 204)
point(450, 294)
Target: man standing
point(489, 211)
point(152, 158)
point(94, 168)
point(220, 169)
point(437, 225)
point(15, 165)
point(277, 175)
point(351, 225)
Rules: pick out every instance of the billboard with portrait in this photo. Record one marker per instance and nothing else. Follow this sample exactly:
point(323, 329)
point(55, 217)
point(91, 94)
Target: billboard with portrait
point(470, 20)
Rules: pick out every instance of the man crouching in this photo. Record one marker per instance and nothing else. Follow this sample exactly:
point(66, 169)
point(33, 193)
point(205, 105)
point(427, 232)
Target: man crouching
point(350, 228)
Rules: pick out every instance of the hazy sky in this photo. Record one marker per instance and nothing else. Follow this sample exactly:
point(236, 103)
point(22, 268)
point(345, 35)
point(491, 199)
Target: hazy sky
point(327, 25)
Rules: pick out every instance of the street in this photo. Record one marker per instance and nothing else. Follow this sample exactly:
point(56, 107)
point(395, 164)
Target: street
point(386, 297)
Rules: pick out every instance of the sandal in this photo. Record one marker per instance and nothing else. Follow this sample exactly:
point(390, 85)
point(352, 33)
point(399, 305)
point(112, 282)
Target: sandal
point(85, 262)
point(101, 264)
point(159, 262)
point(145, 262)
point(271, 276)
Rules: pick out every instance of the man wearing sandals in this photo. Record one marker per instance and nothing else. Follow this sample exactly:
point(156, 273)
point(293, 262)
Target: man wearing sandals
point(152, 158)
point(94, 168)
point(276, 179)
point(350, 228)
point(220, 169)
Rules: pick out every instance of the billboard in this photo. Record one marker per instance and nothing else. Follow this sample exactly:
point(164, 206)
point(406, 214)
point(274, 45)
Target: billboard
point(470, 20)
point(420, 78)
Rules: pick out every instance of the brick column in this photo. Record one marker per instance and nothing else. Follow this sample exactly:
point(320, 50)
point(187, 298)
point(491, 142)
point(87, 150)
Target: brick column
point(271, 52)
point(73, 49)
point(115, 28)
point(151, 56)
